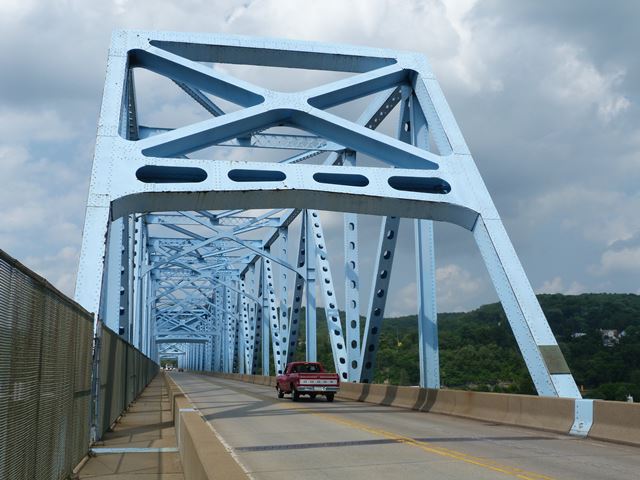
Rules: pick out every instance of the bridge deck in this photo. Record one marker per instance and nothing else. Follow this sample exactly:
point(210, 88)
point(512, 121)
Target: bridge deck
point(142, 445)
point(276, 438)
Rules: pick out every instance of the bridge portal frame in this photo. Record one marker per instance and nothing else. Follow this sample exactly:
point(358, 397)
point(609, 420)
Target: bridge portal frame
point(434, 178)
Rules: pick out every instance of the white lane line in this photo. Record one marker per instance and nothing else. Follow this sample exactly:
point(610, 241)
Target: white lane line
point(108, 450)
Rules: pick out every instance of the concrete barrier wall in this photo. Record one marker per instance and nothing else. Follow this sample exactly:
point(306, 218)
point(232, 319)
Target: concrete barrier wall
point(544, 413)
point(552, 414)
point(173, 392)
point(616, 422)
point(613, 421)
point(202, 454)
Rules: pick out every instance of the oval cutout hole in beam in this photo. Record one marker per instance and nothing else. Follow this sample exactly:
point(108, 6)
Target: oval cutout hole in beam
point(162, 174)
point(347, 179)
point(420, 185)
point(239, 175)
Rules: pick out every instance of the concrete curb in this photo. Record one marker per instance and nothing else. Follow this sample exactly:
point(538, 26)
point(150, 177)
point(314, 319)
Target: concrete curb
point(202, 453)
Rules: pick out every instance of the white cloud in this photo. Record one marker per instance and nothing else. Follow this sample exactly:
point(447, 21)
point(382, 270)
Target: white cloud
point(470, 65)
point(404, 301)
point(603, 216)
point(455, 287)
point(43, 202)
point(578, 82)
point(557, 285)
point(618, 260)
point(16, 9)
point(55, 98)
point(30, 125)
point(49, 267)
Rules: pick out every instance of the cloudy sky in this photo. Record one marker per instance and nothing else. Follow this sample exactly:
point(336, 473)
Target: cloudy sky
point(547, 95)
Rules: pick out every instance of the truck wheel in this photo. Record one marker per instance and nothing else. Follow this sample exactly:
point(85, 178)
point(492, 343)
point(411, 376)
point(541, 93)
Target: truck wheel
point(280, 392)
point(295, 394)
point(329, 397)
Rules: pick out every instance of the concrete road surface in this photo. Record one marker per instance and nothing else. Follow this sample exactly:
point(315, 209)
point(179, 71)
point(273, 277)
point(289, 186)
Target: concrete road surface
point(312, 439)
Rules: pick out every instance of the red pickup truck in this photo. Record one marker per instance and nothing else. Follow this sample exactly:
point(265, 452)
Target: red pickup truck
point(307, 378)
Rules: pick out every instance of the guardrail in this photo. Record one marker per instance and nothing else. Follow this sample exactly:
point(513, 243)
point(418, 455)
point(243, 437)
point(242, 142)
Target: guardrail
point(617, 422)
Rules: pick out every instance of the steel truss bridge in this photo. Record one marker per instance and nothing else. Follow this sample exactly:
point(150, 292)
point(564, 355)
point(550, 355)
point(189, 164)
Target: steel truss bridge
point(193, 254)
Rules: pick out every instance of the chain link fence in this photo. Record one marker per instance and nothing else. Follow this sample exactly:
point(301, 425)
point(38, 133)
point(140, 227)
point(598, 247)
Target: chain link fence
point(46, 364)
point(123, 373)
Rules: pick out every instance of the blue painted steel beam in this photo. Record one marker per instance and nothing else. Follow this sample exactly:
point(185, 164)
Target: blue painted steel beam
point(208, 285)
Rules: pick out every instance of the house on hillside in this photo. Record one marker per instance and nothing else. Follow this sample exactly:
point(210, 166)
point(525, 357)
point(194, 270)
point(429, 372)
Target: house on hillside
point(610, 338)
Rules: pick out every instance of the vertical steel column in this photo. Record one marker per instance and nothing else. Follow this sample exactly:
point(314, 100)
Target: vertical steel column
point(230, 330)
point(255, 319)
point(130, 267)
point(110, 308)
point(149, 313)
point(224, 331)
point(332, 314)
point(219, 330)
point(271, 314)
point(284, 295)
point(429, 356)
point(95, 381)
point(351, 285)
point(310, 274)
point(247, 331)
point(296, 305)
point(379, 291)
point(139, 254)
point(427, 320)
point(238, 351)
point(264, 317)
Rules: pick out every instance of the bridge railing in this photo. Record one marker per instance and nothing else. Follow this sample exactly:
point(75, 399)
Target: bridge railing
point(45, 376)
point(124, 373)
point(46, 364)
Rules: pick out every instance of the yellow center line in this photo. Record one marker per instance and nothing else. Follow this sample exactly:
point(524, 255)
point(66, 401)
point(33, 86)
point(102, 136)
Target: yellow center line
point(426, 446)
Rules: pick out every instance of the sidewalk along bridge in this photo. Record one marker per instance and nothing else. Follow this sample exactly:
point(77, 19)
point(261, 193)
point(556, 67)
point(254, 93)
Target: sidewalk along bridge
point(203, 242)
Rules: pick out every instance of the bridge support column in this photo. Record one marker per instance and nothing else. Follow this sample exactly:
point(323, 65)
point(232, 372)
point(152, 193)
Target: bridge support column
point(296, 304)
point(541, 353)
point(283, 312)
point(110, 308)
point(311, 341)
point(352, 286)
point(264, 318)
point(427, 312)
point(379, 294)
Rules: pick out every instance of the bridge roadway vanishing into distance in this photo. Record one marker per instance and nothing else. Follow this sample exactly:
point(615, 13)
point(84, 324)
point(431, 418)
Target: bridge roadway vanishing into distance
point(187, 255)
point(313, 439)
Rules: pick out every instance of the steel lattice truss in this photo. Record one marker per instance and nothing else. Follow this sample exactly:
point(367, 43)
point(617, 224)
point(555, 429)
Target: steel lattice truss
point(190, 257)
